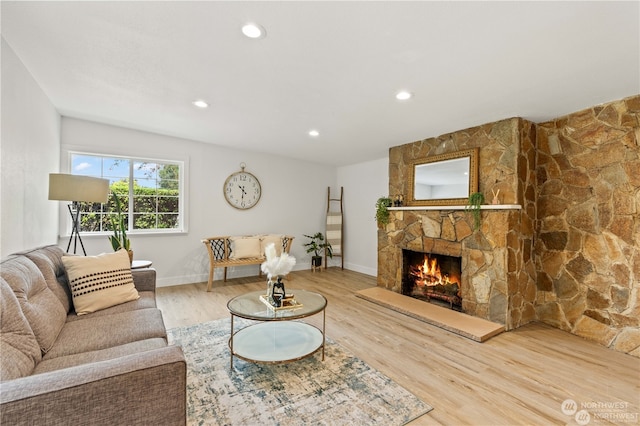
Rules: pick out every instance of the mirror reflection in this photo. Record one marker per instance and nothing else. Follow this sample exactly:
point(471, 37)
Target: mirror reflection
point(444, 179)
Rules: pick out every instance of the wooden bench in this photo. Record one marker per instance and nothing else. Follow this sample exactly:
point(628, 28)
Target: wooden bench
point(221, 251)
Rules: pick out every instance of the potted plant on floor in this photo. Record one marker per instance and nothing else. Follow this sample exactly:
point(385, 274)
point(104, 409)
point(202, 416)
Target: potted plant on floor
point(119, 239)
point(316, 245)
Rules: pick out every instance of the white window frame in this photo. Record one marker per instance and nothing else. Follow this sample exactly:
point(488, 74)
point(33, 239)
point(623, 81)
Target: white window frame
point(182, 199)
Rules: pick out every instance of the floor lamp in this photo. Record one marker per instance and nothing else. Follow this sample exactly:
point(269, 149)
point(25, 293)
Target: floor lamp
point(77, 189)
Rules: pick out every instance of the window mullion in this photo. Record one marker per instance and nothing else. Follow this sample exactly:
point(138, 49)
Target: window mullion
point(130, 221)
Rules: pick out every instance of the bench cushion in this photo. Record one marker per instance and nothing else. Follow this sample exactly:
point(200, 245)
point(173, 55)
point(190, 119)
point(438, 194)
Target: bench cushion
point(268, 239)
point(245, 247)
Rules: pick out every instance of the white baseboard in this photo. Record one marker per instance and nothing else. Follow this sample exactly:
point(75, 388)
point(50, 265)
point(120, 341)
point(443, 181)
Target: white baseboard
point(245, 271)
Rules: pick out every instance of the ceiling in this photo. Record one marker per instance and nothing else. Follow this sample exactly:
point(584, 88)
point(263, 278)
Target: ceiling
point(330, 66)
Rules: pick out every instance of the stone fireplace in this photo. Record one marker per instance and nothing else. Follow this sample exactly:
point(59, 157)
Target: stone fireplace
point(497, 280)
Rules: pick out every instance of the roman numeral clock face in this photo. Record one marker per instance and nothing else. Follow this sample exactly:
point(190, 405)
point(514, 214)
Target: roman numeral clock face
point(242, 190)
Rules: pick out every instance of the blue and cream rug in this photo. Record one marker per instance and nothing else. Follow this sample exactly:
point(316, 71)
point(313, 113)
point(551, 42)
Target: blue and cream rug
point(339, 391)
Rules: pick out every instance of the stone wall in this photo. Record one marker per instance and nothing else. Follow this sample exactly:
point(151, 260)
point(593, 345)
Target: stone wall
point(587, 249)
point(571, 256)
point(498, 270)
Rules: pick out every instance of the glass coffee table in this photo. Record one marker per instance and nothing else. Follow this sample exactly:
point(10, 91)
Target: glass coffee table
point(276, 337)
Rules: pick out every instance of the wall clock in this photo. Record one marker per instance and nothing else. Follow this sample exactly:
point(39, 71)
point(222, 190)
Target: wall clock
point(242, 189)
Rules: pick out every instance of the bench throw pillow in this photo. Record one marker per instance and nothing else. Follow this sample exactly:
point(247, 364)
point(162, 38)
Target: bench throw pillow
point(245, 247)
point(99, 282)
point(268, 239)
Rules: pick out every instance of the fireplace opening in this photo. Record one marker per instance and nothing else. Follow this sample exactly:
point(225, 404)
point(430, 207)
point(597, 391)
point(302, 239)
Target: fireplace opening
point(434, 278)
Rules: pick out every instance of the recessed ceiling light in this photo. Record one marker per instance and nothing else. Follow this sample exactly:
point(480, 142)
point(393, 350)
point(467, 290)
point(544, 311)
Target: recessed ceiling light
point(254, 31)
point(403, 95)
point(314, 133)
point(200, 103)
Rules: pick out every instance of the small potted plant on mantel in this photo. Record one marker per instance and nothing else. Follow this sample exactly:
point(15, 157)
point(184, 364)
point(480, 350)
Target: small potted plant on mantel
point(382, 211)
point(119, 238)
point(316, 245)
point(476, 200)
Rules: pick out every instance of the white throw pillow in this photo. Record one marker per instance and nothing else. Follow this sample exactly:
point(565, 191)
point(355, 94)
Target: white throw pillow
point(268, 239)
point(99, 282)
point(243, 248)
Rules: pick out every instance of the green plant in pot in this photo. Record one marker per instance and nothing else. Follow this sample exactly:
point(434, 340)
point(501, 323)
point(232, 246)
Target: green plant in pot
point(476, 200)
point(382, 211)
point(317, 245)
point(119, 239)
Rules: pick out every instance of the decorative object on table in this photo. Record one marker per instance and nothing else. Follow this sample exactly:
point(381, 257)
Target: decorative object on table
point(119, 239)
point(278, 292)
point(476, 200)
point(242, 190)
point(317, 244)
point(288, 302)
point(276, 267)
point(382, 212)
point(77, 189)
point(399, 200)
point(302, 392)
point(495, 200)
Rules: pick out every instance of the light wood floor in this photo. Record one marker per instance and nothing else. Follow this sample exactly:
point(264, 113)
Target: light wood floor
point(519, 377)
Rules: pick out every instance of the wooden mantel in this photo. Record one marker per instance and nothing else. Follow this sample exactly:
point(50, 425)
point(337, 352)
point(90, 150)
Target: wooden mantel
point(483, 207)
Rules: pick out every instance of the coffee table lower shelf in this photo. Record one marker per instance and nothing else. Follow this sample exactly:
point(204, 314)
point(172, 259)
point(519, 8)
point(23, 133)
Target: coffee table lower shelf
point(276, 342)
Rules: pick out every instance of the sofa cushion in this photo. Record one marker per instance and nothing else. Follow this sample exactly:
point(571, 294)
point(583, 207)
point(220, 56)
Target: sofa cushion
point(19, 349)
point(99, 355)
point(245, 247)
point(41, 308)
point(49, 260)
point(147, 300)
point(99, 282)
point(96, 332)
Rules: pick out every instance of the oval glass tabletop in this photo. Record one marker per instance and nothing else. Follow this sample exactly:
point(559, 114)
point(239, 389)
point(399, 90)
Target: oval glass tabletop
point(250, 306)
point(276, 342)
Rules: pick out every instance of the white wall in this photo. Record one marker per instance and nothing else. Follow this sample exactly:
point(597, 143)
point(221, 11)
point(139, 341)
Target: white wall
point(363, 184)
point(293, 198)
point(29, 151)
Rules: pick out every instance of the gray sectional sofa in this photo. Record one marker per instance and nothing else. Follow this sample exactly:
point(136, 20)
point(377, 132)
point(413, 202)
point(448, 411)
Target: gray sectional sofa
point(112, 366)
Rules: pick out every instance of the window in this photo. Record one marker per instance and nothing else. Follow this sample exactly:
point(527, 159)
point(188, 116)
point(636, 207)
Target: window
point(149, 191)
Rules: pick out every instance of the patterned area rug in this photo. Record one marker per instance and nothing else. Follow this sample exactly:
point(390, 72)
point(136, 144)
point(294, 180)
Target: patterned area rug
point(342, 389)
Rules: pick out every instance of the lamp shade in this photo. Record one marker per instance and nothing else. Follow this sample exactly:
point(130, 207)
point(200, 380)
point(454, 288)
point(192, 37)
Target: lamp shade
point(78, 188)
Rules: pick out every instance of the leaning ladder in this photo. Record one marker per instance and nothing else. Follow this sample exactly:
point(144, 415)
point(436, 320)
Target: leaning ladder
point(335, 226)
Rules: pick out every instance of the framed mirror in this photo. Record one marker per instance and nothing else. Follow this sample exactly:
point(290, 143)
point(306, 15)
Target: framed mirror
point(445, 179)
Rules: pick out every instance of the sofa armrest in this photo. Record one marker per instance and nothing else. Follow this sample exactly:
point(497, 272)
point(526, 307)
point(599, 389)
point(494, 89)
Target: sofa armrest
point(144, 388)
point(144, 279)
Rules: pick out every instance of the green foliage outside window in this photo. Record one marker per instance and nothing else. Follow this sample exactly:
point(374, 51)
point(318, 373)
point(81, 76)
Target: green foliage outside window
point(152, 208)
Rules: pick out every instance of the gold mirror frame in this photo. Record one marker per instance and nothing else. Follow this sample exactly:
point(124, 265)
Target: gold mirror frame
point(473, 178)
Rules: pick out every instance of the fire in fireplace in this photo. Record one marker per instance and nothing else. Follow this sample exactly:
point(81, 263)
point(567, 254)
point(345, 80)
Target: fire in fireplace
point(434, 278)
